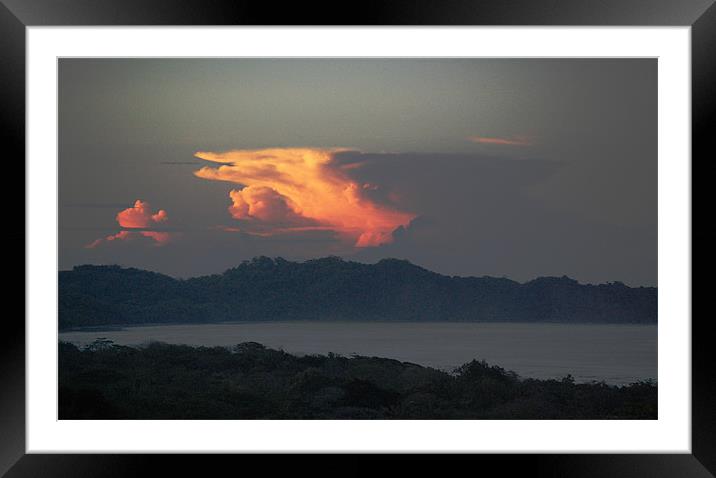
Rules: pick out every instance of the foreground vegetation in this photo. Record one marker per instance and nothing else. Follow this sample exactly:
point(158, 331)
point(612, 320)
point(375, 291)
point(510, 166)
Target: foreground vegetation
point(249, 381)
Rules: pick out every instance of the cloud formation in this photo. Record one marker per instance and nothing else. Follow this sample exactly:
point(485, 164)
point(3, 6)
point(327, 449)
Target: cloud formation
point(138, 216)
point(287, 190)
point(506, 141)
point(264, 204)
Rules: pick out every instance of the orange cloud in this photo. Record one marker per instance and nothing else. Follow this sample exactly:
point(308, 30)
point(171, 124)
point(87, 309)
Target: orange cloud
point(264, 204)
point(138, 216)
point(511, 141)
point(121, 235)
point(160, 238)
point(298, 189)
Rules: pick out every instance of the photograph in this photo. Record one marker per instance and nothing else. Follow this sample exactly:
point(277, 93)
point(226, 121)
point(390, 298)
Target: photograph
point(357, 238)
point(459, 227)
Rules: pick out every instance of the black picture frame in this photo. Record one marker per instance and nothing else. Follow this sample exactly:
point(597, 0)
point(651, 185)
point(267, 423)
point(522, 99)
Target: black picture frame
point(16, 15)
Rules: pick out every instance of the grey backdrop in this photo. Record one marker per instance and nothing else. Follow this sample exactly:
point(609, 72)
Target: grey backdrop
point(579, 198)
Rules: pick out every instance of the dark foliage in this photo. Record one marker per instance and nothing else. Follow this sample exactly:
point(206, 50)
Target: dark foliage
point(250, 381)
point(330, 288)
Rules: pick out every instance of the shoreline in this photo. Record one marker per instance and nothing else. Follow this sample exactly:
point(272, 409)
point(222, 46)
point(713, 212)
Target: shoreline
point(536, 350)
point(120, 327)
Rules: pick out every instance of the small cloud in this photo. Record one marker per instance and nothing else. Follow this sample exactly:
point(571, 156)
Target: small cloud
point(506, 141)
point(160, 237)
point(349, 166)
point(139, 216)
point(375, 238)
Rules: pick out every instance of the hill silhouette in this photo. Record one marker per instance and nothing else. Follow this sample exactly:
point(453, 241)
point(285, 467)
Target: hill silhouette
point(334, 289)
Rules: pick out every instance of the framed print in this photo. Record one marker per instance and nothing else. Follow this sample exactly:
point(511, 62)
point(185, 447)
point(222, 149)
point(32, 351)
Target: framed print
point(463, 229)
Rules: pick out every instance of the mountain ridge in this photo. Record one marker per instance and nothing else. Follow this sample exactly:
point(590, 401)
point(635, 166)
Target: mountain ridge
point(331, 288)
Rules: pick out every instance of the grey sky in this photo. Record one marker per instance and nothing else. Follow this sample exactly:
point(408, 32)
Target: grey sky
point(577, 196)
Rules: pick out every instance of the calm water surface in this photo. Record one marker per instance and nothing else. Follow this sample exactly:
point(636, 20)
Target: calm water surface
point(617, 354)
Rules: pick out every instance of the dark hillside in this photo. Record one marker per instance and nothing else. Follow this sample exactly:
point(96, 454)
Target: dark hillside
point(331, 289)
point(249, 381)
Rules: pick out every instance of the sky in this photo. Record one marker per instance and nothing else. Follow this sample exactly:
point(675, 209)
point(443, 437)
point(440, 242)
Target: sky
point(515, 168)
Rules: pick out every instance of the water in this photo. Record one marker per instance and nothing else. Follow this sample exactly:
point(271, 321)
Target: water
point(617, 354)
